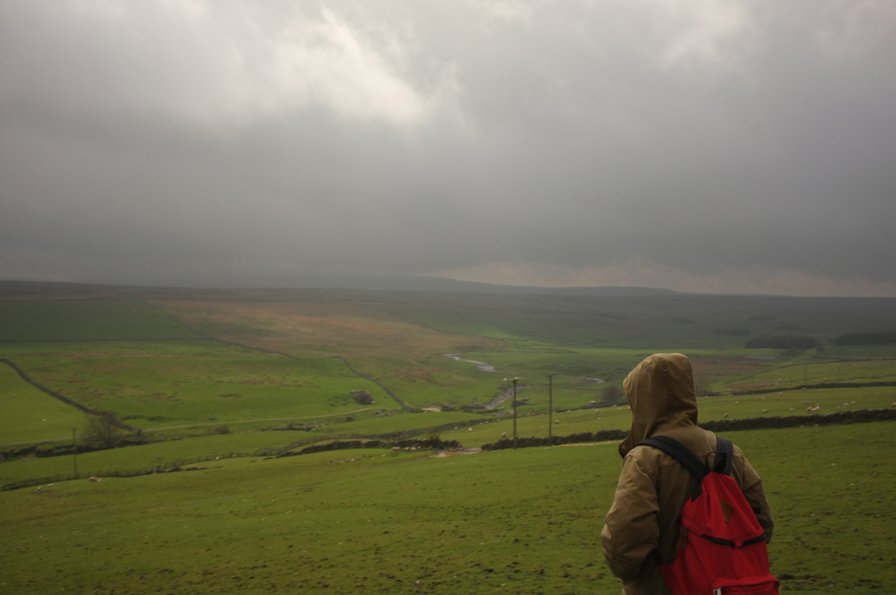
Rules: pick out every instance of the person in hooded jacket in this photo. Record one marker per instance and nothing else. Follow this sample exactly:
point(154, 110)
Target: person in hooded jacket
point(641, 528)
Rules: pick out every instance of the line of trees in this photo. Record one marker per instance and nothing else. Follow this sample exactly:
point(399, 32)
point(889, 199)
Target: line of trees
point(882, 338)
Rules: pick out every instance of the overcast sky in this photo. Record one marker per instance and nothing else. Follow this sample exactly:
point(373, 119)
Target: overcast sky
point(697, 145)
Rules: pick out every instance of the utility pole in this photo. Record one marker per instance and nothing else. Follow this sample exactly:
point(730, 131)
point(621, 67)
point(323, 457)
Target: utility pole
point(514, 380)
point(74, 452)
point(550, 405)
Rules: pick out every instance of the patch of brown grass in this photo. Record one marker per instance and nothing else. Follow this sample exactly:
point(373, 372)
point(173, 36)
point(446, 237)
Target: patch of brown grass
point(302, 328)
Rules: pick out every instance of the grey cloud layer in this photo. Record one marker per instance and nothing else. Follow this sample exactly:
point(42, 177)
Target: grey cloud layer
point(177, 142)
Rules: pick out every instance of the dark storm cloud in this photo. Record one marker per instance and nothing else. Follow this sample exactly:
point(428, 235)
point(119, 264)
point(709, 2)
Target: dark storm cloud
point(241, 143)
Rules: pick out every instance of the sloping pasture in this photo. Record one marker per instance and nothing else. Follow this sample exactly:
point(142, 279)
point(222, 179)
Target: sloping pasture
point(777, 404)
point(842, 365)
point(163, 364)
point(408, 358)
point(30, 415)
point(525, 521)
point(471, 430)
point(159, 384)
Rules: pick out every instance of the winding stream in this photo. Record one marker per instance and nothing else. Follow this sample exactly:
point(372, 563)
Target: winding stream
point(481, 366)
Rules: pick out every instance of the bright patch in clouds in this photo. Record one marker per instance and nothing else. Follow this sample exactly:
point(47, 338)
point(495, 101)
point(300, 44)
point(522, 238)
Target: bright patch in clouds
point(700, 31)
point(326, 63)
point(196, 62)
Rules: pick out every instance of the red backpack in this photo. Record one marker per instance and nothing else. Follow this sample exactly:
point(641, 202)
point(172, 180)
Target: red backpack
point(722, 550)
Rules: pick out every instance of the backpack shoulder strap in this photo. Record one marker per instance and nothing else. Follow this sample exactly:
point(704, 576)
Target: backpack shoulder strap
point(679, 452)
point(724, 456)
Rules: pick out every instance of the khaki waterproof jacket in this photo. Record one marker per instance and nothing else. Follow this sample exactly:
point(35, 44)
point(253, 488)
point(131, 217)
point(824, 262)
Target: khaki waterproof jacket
point(642, 523)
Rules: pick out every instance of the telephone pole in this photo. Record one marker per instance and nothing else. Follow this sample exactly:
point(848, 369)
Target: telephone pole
point(550, 405)
point(74, 452)
point(514, 380)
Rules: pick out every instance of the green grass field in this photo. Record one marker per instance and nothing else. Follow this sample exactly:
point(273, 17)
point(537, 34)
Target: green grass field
point(162, 384)
point(157, 364)
point(204, 373)
point(30, 415)
point(525, 521)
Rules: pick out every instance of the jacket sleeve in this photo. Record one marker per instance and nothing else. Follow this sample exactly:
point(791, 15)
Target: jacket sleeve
point(751, 485)
point(631, 531)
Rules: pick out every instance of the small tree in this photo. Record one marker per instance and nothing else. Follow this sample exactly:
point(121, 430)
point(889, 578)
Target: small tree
point(611, 394)
point(702, 385)
point(102, 430)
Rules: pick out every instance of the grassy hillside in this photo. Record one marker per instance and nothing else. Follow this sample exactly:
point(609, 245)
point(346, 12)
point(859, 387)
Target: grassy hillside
point(158, 384)
point(219, 380)
point(471, 430)
point(524, 521)
point(179, 362)
point(30, 415)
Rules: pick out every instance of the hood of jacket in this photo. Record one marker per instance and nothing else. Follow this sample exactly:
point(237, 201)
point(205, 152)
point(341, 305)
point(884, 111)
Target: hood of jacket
point(661, 395)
